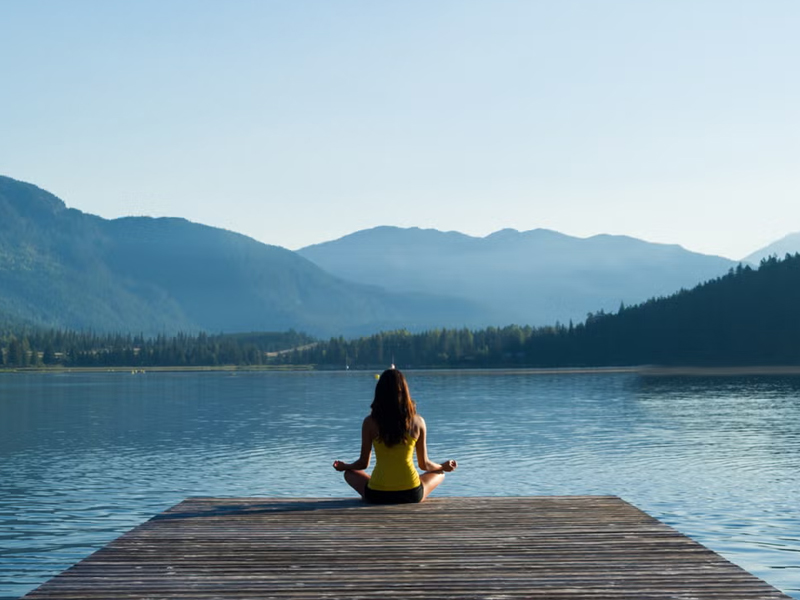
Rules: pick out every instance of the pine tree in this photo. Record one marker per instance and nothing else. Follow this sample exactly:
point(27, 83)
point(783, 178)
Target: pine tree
point(16, 356)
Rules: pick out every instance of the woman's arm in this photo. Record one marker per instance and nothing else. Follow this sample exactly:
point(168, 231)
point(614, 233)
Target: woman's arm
point(424, 462)
point(367, 435)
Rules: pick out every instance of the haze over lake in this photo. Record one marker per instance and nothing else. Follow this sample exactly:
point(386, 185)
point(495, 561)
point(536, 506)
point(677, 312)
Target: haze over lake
point(85, 457)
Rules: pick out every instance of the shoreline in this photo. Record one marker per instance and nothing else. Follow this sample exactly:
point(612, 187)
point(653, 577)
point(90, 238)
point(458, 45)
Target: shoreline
point(690, 371)
point(644, 370)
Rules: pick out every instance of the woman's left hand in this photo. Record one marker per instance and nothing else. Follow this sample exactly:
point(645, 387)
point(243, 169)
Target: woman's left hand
point(449, 465)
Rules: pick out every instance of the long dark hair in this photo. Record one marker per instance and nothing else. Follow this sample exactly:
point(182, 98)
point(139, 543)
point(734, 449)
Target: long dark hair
point(393, 409)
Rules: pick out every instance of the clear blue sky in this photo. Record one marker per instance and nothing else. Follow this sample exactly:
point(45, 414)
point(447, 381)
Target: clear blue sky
point(297, 122)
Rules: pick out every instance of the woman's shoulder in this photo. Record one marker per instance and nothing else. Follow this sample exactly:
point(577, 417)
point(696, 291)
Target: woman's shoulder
point(370, 423)
point(418, 425)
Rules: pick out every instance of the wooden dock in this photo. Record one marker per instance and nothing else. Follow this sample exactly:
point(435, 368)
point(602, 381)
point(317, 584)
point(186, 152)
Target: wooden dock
point(581, 547)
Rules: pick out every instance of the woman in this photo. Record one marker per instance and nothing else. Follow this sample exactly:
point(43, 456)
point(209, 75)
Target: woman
point(395, 430)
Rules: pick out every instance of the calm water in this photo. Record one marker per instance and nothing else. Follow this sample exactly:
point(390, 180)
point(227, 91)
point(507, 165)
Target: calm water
point(85, 457)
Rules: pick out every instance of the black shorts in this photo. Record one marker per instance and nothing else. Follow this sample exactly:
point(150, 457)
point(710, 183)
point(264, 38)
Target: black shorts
point(399, 497)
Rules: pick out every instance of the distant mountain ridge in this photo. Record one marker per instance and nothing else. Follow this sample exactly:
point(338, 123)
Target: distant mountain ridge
point(789, 244)
point(60, 267)
point(534, 277)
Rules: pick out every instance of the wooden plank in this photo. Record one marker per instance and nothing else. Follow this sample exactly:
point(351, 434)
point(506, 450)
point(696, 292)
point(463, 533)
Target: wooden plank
point(569, 547)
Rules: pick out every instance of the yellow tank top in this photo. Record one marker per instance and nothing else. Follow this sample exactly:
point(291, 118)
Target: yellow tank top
point(394, 467)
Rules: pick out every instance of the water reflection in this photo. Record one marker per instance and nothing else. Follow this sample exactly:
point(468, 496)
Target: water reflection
point(84, 457)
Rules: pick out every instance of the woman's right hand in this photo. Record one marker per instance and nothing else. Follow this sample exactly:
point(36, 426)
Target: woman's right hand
point(449, 465)
point(338, 465)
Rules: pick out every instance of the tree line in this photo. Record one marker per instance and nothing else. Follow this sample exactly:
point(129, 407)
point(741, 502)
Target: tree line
point(41, 348)
point(746, 317)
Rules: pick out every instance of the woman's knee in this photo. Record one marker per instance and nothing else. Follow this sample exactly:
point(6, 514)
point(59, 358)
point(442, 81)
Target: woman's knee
point(357, 480)
point(431, 480)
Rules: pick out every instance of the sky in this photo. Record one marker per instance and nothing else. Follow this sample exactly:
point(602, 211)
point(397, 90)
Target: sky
point(300, 121)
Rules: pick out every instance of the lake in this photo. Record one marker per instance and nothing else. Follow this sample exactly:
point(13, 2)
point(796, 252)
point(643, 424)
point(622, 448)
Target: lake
point(86, 456)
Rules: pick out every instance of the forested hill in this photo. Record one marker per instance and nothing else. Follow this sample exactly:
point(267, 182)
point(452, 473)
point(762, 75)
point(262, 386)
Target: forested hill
point(65, 269)
point(747, 317)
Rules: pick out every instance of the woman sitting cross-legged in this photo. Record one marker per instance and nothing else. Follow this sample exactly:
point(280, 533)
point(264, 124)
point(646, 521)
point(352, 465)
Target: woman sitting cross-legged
point(395, 430)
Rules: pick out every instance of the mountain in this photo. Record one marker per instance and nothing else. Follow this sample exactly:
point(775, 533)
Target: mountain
point(747, 317)
point(534, 277)
point(63, 268)
point(789, 244)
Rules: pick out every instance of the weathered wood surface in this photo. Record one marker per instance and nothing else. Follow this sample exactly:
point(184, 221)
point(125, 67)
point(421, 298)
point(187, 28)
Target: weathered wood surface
point(581, 547)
